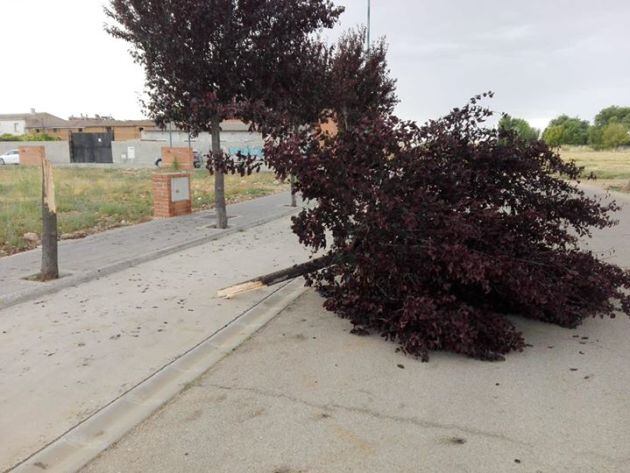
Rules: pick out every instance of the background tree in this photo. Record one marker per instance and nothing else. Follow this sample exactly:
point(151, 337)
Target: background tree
point(565, 130)
point(203, 59)
point(436, 234)
point(554, 136)
point(613, 114)
point(521, 127)
point(341, 83)
point(609, 126)
point(615, 135)
point(595, 137)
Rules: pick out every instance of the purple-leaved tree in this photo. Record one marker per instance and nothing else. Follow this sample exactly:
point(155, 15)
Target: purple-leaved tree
point(359, 80)
point(207, 60)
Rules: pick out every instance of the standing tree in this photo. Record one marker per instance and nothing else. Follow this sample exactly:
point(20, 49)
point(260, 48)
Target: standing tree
point(339, 84)
point(521, 127)
point(359, 80)
point(615, 135)
point(565, 130)
point(613, 114)
point(611, 128)
point(297, 93)
point(207, 60)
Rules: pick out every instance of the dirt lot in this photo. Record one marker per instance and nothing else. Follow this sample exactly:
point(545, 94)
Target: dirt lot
point(92, 200)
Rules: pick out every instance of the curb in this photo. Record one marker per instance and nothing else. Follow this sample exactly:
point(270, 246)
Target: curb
point(73, 280)
point(81, 444)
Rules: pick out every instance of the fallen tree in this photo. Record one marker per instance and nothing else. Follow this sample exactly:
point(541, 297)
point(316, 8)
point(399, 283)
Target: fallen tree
point(439, 232)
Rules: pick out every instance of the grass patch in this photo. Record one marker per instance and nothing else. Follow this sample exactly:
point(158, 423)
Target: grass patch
point(604, 164)
point(92, 200)
point(612, 168)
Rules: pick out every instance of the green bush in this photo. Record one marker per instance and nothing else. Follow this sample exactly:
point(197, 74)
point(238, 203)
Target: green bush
point(31, 137)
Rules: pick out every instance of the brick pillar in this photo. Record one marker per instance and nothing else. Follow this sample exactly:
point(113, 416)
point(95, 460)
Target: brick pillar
point(32, 155)
point(182, 156)
point(172, 195)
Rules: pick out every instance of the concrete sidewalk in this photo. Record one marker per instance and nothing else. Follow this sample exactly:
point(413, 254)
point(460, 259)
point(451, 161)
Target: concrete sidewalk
point(104, 253)
point(68, 355)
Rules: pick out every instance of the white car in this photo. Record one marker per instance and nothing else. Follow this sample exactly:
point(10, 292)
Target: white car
point(10, 157)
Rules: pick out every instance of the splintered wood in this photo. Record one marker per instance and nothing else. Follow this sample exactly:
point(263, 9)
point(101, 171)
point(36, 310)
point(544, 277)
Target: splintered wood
point(230, 292)
point(277, 277)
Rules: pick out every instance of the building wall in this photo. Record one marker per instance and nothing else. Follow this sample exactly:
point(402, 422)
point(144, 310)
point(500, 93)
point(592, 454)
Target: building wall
point(12, 127)
point(57, 152)
point(124, 133)
point(121, 133)
point(61, 133)
point(137, 153)
point(230, 140)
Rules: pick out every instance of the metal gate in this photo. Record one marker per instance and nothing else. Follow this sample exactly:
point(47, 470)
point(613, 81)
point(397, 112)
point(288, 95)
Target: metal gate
point(91, 147)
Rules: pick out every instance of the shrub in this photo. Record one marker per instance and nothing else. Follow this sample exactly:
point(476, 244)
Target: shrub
point(439, 232)
point(34, 137)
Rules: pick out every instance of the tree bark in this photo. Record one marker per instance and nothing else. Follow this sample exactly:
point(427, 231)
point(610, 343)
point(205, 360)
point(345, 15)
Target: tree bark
point(219, 177)
point(296, 130)
point(293, 198)
point(277, 277)
point(50, 264)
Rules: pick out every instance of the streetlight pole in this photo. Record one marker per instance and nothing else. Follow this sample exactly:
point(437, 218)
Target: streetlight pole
point(369, 21)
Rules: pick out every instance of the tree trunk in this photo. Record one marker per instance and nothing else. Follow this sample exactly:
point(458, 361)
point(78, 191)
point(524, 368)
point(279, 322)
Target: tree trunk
point(219, 177)
point(50, 265)
point(296, 130)
point(293, 198)
point(277, 277)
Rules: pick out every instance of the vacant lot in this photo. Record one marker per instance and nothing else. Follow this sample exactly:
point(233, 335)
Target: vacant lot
point(92, 200)
point(612, 168)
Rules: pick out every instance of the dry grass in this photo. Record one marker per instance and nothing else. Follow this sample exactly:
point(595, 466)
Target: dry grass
point(92, 200)
point(612, 168)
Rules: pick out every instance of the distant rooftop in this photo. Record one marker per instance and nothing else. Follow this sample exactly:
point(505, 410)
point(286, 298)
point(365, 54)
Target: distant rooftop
point(82, 122)
point(37, 120)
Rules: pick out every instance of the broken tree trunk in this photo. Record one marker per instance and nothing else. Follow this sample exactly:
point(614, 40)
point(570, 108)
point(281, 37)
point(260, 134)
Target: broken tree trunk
point(276, 278)
point(50, 265)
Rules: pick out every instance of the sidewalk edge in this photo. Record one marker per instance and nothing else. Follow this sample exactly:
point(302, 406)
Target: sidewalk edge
point(84, 442)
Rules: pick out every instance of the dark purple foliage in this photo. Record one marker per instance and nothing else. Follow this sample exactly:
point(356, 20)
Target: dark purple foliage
point(359, 81)
point(209, 58)
point(440, 231)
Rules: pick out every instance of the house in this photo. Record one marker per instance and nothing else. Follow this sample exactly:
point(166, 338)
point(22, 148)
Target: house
point(44, 123)
point(123, 130)
point(31, 123)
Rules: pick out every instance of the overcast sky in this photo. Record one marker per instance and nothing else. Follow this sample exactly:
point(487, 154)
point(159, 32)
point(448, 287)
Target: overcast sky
point(540, 57)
